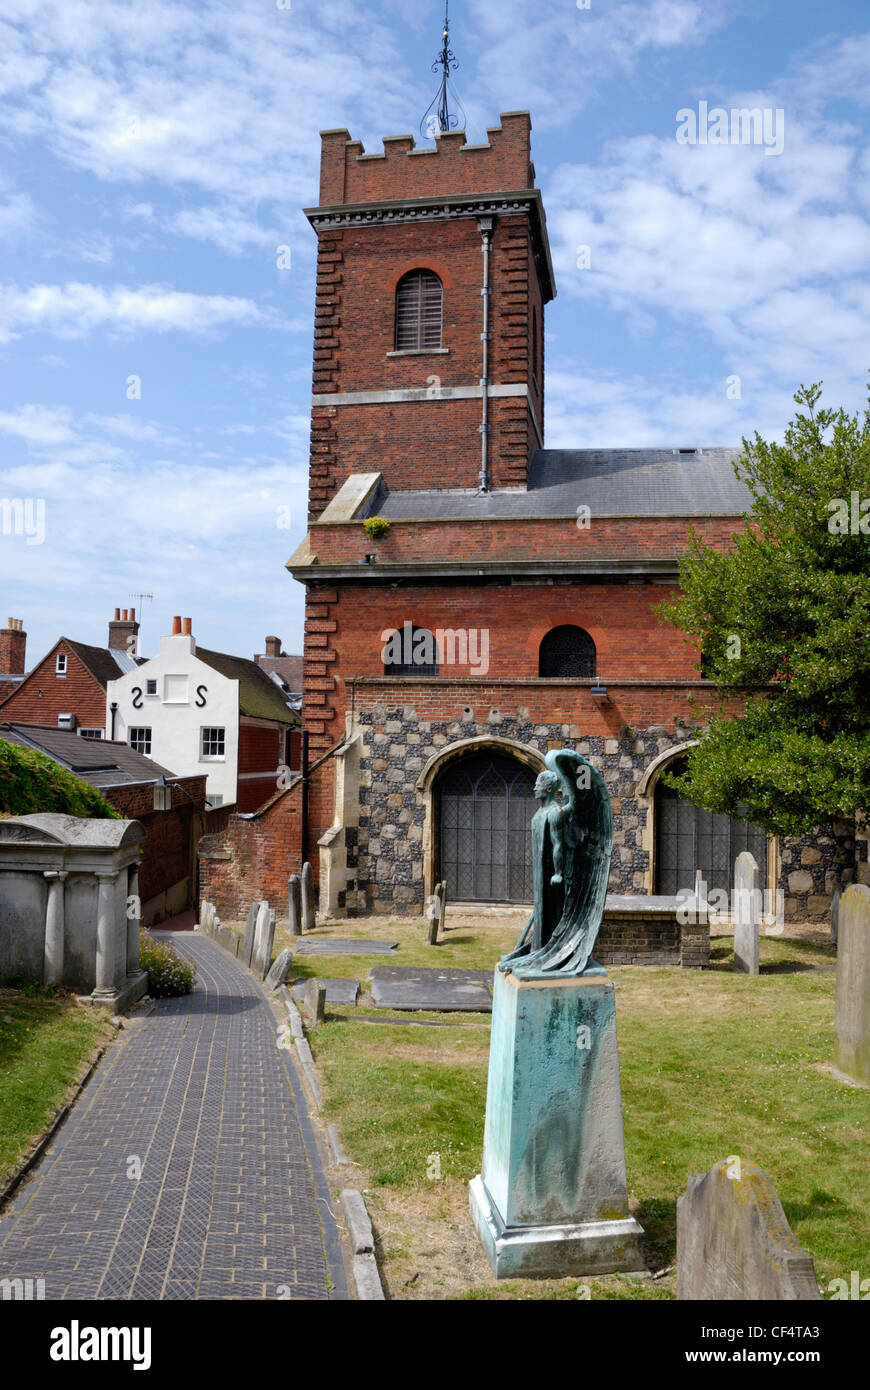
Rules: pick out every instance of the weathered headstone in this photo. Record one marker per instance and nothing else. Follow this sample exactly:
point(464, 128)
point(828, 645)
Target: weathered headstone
point(280, 970)
point(315, 1001)
point(337, 991)
point(250, 928)
point(307, 886)
point(747, 914)
point(835, 912)
point(341, 946)
point(733, 1241)
point(206, 917)
point(433, 912)
point(442, 990)
point(442, 904)
point(294, 905)
point(852, 1015)
point(263, 937)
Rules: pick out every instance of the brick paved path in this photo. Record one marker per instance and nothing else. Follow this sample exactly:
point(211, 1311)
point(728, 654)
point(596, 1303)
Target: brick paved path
point(232, 1201)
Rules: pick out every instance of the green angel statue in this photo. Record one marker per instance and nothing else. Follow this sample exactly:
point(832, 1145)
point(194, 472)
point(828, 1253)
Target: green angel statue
point(572, 841)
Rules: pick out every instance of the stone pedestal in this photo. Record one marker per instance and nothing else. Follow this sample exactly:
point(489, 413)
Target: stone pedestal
point(552, 1199)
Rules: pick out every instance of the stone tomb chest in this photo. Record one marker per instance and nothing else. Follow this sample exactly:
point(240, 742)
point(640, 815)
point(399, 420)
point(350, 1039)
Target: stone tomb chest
point(69, 914)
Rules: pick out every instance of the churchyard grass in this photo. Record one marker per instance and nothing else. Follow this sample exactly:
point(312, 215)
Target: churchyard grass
point(713, 1063)
point(45, 1045)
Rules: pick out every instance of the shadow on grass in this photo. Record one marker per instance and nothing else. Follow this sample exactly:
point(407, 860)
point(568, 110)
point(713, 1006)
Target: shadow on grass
point(658, 1216)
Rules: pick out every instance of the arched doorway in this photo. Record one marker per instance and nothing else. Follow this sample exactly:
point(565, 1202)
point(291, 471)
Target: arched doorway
point(485, 804)
point(689, 838)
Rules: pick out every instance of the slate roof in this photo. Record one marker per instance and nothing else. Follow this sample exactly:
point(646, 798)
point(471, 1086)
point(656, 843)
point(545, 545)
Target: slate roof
point(98, 761)
point(259, 696)
point(287, 668)
point(103, 664)
point(611, 482)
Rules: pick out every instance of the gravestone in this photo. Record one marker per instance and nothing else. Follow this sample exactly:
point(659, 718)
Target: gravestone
point(747, 914)
point(294, 905)
point(280, 970)
point(315, 1000)
point(733, 1241)
point(835, 912)
point(206, 917)
point(340, 946)
point(337, 991)
point(250, 928)
point(441, 990)
point(307, 887)
point(264, 934)
point(433, 912)
point(852, 1014)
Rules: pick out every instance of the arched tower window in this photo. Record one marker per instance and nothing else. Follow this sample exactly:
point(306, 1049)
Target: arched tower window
point(418, 312)
point(567, 652)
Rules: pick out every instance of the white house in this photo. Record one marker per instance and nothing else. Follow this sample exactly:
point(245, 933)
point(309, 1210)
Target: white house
point(194, 710)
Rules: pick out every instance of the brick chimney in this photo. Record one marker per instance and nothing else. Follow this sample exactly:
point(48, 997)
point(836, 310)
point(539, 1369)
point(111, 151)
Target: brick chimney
point(13, 643)
point(273, 646)
point(121, 628)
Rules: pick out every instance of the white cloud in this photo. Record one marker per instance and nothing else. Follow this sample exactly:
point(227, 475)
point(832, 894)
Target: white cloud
point(226, 227)
point(38, 424)
point(74, 310)
point(17, 214)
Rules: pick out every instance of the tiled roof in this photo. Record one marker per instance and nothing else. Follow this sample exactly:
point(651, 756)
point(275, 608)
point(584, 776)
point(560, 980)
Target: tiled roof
point(611, 482)
point(98, 761)
point(259, 696)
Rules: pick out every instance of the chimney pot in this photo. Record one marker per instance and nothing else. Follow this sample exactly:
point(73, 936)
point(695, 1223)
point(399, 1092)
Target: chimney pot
point(117, 615)
point(132, 615)
point(176, 627)
point(13, 648)
point(186, 627)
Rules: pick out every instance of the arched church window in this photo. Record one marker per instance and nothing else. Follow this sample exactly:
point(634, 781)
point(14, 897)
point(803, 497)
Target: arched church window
point(567, 652)
point(418, 312)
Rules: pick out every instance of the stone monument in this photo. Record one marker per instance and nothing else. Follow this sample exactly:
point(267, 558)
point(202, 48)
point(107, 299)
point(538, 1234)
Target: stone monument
point(294, 905)
point(309, 921)
point(747, 914)
point(551, 1198)
point(852, 1013)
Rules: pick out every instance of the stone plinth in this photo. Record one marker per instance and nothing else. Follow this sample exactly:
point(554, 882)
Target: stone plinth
point(852, 1015)
point(552, 1198)
point(747, 914)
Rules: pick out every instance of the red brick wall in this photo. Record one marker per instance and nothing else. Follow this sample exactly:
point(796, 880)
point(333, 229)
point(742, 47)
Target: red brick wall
point(503, 165)
point(431, 442)
point(78, 692)
point(170, 849)
point(259, 749)
point(253, 859)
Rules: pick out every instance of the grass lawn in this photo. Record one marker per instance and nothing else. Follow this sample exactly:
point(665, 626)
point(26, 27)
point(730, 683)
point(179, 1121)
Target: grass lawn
point(45, 1045)
point(712, 1064)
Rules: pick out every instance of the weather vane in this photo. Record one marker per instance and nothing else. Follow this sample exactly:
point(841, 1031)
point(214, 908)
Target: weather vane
point(436, 122)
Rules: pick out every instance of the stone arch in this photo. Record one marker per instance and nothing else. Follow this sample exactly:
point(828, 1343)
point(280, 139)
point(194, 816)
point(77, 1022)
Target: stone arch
point(646, 802)
point(454, 752)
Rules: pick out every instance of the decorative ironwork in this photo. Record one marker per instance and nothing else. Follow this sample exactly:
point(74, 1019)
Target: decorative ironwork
point(435, 123)
point(689, 838)
point(486, 806)
point(567, 652)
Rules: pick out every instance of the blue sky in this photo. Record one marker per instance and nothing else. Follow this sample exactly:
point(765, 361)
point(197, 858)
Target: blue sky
point(154, 155)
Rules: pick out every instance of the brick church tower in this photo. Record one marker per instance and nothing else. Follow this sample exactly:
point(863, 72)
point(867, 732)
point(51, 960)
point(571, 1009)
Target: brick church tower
point(473, 598)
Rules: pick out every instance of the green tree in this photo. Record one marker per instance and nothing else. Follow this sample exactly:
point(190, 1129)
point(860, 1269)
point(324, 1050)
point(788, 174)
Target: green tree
point(31, 782)
point(783, 621)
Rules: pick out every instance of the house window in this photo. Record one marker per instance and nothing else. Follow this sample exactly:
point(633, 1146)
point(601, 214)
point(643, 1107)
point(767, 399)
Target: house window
point(150, 687)
point(568, 653)
point(213, 799)
point(213, 743)
point(418, 312)
point(60, 664)
point(139, 740)
point(90, 733)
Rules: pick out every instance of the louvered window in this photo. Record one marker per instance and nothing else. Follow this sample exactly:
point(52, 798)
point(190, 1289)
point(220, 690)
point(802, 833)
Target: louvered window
point(418, 312)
